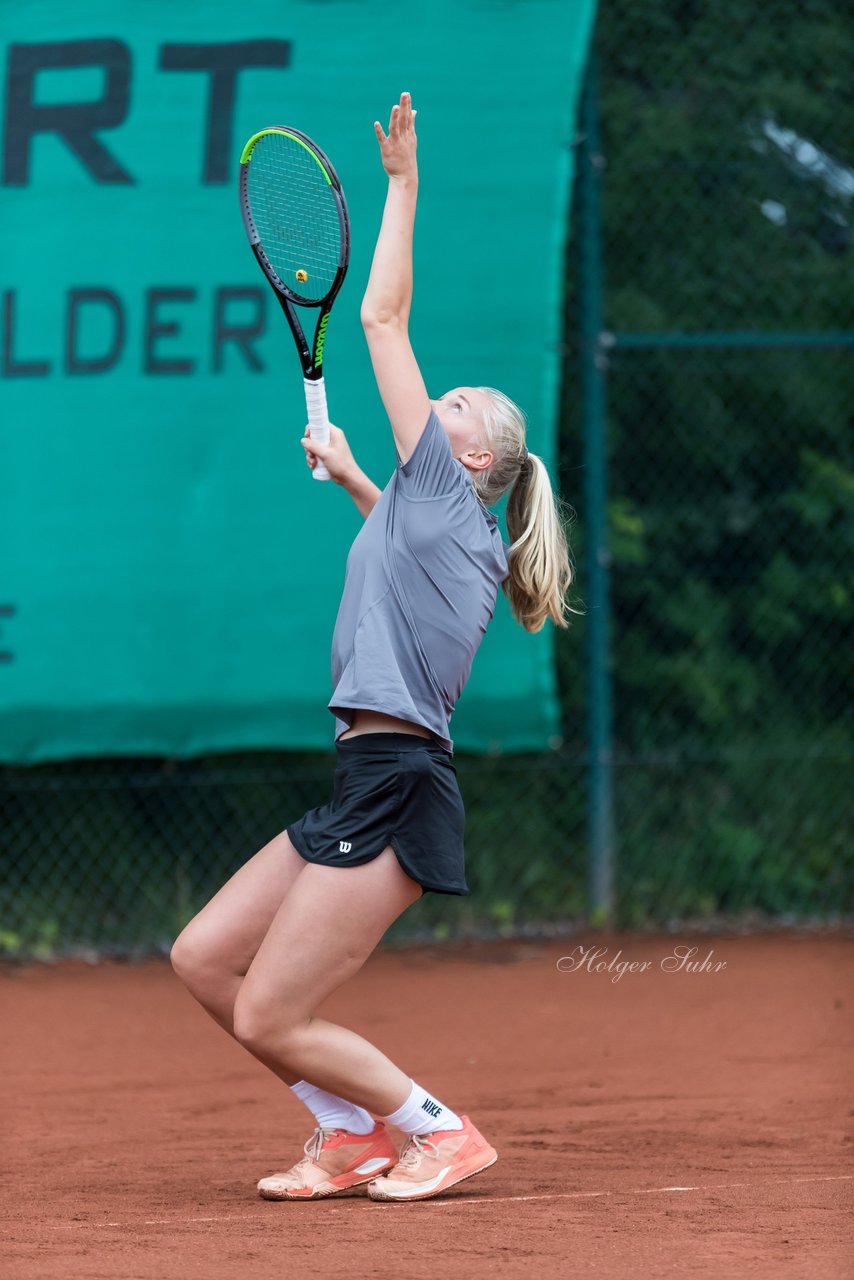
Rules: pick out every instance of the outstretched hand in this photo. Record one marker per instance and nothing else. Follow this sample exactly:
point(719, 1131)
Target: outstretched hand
point(397, 148)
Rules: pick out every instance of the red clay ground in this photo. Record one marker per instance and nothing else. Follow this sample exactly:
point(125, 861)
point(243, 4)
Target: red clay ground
point(667, 1124)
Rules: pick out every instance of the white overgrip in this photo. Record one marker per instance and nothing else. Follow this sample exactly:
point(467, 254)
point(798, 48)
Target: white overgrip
point(318, 419)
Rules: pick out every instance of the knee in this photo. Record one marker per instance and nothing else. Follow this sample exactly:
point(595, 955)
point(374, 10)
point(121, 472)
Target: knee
point(192, 961)
point(181, 955)
point(262, 1028)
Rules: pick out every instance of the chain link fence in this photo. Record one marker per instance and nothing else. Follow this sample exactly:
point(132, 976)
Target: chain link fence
point(726, 198)
point(726, 182)
point(115, 856)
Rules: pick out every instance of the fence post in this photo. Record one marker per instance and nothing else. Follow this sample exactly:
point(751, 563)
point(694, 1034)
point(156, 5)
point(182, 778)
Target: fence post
point(600, 823)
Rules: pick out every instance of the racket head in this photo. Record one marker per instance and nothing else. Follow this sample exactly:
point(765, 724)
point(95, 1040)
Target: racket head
point(295, 215)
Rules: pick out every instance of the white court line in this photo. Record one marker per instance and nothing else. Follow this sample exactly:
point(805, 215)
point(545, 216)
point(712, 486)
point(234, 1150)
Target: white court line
point(461, 1201)
point(634, 1191)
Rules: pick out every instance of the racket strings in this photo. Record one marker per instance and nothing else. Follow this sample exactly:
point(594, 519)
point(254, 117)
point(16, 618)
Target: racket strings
point(296, 216)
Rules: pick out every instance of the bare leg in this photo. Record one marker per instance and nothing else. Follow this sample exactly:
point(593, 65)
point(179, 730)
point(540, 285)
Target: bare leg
point(329, 922)
point(213, 953)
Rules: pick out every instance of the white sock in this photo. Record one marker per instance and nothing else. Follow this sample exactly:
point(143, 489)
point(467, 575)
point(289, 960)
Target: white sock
point(421, 1113)
point(332, 1112)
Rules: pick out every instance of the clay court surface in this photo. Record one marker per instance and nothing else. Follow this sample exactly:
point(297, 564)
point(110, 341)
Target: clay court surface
point(666, 1124)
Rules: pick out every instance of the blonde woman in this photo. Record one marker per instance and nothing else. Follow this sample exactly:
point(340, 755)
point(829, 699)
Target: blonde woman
point(303, 915)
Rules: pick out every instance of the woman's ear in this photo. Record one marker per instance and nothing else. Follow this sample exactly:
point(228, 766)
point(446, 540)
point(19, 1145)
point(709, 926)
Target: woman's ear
point(477, 459)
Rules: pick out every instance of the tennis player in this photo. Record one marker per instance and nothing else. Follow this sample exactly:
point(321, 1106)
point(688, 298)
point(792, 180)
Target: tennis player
point(303, 915)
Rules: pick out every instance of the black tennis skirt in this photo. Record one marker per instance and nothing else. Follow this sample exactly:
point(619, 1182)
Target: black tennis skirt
point(393, 789)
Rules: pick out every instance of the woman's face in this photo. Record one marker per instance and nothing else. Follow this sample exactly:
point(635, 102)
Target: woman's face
point(461, 414)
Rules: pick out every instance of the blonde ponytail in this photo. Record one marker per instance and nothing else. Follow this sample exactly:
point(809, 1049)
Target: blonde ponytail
point(539, 559)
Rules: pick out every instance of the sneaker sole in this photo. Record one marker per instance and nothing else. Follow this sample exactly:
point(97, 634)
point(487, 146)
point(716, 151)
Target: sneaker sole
point(376, 1191)
point(323, 1189)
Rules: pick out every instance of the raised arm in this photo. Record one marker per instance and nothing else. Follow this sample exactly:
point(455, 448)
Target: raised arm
point(388, 297)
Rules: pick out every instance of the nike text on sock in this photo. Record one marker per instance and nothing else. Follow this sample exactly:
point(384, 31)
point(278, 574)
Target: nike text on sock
point(422, 1113)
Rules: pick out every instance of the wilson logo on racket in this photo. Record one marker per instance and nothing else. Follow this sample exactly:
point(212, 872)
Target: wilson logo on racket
point(297, 222)
point(320, 339)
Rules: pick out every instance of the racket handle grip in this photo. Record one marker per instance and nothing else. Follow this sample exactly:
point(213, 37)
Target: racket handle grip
point(318, 419)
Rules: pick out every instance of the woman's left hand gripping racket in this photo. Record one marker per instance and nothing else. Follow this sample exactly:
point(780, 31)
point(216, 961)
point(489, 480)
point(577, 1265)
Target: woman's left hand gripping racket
point(297, 223)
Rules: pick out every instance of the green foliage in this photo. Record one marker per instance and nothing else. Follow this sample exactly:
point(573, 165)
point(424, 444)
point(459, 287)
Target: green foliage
point(688, 95)
point(727, 199)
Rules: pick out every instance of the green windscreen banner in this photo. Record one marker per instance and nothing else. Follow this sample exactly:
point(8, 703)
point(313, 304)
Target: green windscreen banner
point(169, 571)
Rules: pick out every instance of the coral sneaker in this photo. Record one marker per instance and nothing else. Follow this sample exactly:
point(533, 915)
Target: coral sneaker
point(430, 1163)
point(335, 1160)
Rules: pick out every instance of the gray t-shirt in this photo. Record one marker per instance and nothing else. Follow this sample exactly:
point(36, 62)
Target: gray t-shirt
point(422, 579)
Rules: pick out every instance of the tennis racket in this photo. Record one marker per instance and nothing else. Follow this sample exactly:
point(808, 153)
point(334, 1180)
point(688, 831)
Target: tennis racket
point(299, 229)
